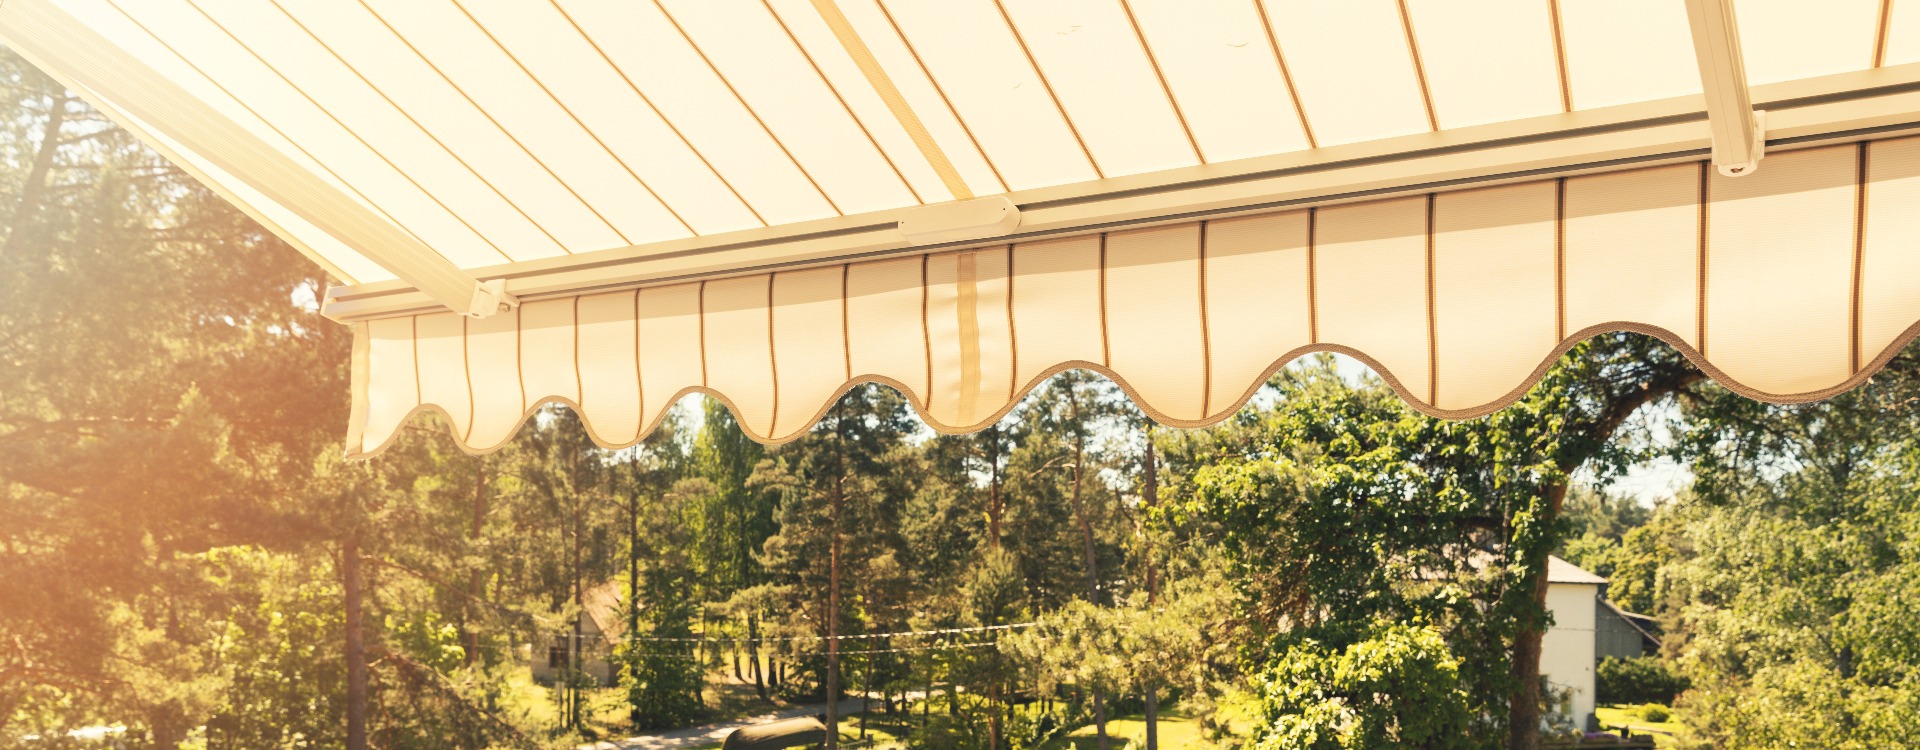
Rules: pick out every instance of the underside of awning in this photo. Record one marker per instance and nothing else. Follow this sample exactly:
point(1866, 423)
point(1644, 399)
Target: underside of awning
point(609, 205)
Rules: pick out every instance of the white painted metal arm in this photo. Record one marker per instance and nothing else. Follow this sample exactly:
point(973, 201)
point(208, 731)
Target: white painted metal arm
point(82, 58)
point(1739, 133)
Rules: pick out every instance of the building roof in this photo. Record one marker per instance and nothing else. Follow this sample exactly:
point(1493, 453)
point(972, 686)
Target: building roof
point(604, 605)
point(1561, 571)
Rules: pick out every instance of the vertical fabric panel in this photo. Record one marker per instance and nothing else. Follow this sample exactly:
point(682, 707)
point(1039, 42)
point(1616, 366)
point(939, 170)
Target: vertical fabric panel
point(1633, 249)
point(885, 335)
point(1156, 336)
point(739, 348)
point(1056, 304)
point(392, 388)
point(1494, 293)
point(1780, 271)
point(808, 345)
point(547, 353)
point(671, 360)
point(967, 320)
point(610, 366)
point(1371, 284)
point(1258, 306)
point(493, 365)
point(442, 345)
point(1890, 261)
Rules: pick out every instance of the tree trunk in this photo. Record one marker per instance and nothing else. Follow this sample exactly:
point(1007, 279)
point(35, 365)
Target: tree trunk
point(996, 502)
point(1150, 497)
point(835, 500)
point(1523, 710)
point(1085, 520)
point(470, 633)
point(866, 697)
point(356, 644)
point(37, 174)
point(753, 654)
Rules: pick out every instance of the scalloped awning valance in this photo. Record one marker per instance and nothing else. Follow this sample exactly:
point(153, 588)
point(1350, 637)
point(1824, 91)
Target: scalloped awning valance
point(609, 204)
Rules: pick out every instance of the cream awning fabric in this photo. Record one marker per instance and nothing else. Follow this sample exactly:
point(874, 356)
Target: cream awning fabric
point(1792, 284)
point(769, 199)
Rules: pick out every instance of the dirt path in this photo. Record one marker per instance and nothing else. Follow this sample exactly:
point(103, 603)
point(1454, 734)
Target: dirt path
point(712, 734)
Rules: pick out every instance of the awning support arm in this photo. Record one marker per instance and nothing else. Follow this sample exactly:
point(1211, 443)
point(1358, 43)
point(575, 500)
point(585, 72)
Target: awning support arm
point(87, 62)
point(1739, 133)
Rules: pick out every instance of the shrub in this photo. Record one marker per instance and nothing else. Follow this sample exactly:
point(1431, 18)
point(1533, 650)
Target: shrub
point(1643, 679)
point(1399, 687)
point(1655, 713)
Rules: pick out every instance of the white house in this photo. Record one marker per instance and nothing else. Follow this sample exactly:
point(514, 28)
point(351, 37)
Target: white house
point(600, 630)
point(1567, 655)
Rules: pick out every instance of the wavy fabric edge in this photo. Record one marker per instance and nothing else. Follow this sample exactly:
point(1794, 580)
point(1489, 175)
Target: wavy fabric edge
point(1386, 375)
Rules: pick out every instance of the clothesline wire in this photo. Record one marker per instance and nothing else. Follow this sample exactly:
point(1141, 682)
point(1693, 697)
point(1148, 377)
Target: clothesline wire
point(935, 647)
point(790, 638)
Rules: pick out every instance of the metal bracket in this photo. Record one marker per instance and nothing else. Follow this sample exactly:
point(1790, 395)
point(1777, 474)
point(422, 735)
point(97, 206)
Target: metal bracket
point(489, 298)
point(957, 221)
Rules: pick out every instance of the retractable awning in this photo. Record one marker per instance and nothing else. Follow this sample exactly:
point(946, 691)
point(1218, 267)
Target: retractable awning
point(611, 204)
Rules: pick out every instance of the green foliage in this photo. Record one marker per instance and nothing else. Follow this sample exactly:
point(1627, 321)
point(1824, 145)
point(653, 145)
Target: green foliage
point(1398, 687)
point(1644, 679)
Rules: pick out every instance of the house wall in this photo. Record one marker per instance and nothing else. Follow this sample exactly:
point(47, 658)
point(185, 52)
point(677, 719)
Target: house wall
point(1616, 637)
point(1567, 651)
point(594, 650)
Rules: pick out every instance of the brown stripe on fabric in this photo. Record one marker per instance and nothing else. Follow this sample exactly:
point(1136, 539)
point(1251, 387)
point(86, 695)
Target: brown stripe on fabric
point(773, 359)
point(1206, 338)
point(926, 328)
point(639, 377)
point(519, 365)
point(1013, 336)
point(1433, 327)
point(466, 368)
point(966, 299)
point(359, 377)
point(846, 329)
point(416, 123)
point(1154, 62)
point(1560, 56)
point(751, 112)
point(644, 99)
point(701, 316)
point(884, 156)
point(1313, 280)
point(579, 381)
point(489, 115)
point(418, 393)
point(317, 105)
point(1106, 352)
point(1880, 33)
point(1560, 259)
point(1286, 74)
point(935, 82)
point(1419, 69)
point(1700, 268)
point(1859, 250)
point(624, 166)
point(1042, 75)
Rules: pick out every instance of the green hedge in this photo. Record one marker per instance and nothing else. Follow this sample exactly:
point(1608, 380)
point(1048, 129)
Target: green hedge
point(1642, 679)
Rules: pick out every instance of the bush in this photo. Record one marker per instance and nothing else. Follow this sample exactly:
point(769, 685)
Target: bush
point(1655, 713)
point(1643, 679)
point(1399, 688)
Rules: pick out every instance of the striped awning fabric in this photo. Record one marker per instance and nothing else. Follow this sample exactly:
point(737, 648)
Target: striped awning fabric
point(1792, 284)
point(608, 203)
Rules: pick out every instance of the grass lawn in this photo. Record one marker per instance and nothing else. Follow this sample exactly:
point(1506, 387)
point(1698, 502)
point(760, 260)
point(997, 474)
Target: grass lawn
point(1177, 732)
point(1629, 716)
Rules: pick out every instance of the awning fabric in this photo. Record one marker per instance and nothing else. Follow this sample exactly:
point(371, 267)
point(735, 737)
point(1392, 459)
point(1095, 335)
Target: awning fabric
point(768, 200)
point(1459, 299)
